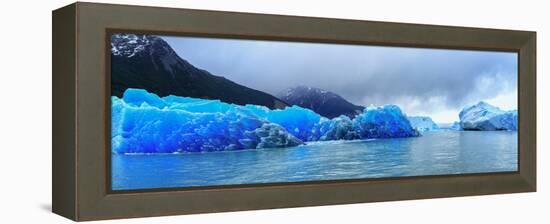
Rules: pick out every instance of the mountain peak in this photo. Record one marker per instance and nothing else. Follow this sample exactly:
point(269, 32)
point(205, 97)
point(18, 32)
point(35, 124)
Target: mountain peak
point(307, 90)
point(129, 45)
point(323, 102)
point(148, 62)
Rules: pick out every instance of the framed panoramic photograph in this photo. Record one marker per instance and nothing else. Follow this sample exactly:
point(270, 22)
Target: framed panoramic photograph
point(202, 111)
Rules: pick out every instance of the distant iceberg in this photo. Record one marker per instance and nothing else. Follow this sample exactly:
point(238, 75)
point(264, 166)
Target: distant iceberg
point(142, 122)
point(485, 117)
point(383, 122)
point(423, 123)
point(456, 126)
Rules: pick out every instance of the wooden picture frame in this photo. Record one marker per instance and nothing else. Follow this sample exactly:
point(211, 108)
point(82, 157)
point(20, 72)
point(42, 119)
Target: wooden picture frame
point(81, 111)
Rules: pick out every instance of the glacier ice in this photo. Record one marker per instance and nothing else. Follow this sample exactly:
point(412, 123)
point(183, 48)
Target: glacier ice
point(339, 128)
point(296, 120)
point(142, 122)
point(271, 135)
point(423, 123)
point(143, 128)
point(456, 126)
point(485, 117)
point(383, 122)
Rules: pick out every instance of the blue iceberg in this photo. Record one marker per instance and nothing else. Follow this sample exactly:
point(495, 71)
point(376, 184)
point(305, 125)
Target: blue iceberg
point(375, 122)
point(485, 117)
point(456, 126)
point(423, 123)
point(182, 124)
point(296, 120)
point(339, 128)
point(142, 122)
point(383, 122)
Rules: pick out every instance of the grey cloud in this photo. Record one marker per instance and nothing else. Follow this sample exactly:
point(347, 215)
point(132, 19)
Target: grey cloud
point(362, 74)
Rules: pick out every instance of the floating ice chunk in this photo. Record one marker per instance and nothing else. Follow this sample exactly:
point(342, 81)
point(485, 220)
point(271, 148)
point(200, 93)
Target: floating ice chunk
point(383, 122)
point(339, 128)
point(271, 135)
point(485, 117)
point(145, 123)
point(296, 120)
point(423, 123)
point(202, 106)
point(136, 97)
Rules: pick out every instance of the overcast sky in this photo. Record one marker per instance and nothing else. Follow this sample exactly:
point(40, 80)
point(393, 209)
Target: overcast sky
point(432, 82)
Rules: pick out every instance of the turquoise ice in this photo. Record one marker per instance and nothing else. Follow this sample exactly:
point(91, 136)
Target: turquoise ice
point(143, 122)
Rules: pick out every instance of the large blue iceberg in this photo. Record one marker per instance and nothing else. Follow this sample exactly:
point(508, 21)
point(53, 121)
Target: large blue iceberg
point(383, 122)
point(485, 117)
point(142, 122)
point(423, 123)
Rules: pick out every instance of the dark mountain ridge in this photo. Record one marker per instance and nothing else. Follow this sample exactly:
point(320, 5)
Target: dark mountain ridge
point(148, 62)
point(325, 103)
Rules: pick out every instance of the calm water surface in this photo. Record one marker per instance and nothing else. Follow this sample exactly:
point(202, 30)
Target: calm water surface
point(440, 152)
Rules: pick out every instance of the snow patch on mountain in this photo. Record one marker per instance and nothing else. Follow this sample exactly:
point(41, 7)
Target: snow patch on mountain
point(128, 45)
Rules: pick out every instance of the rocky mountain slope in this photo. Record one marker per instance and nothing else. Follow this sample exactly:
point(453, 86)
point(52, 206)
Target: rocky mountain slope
point(148, 62)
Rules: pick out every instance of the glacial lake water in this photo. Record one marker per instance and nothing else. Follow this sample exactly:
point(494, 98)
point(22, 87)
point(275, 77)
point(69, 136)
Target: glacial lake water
point(434, 153)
